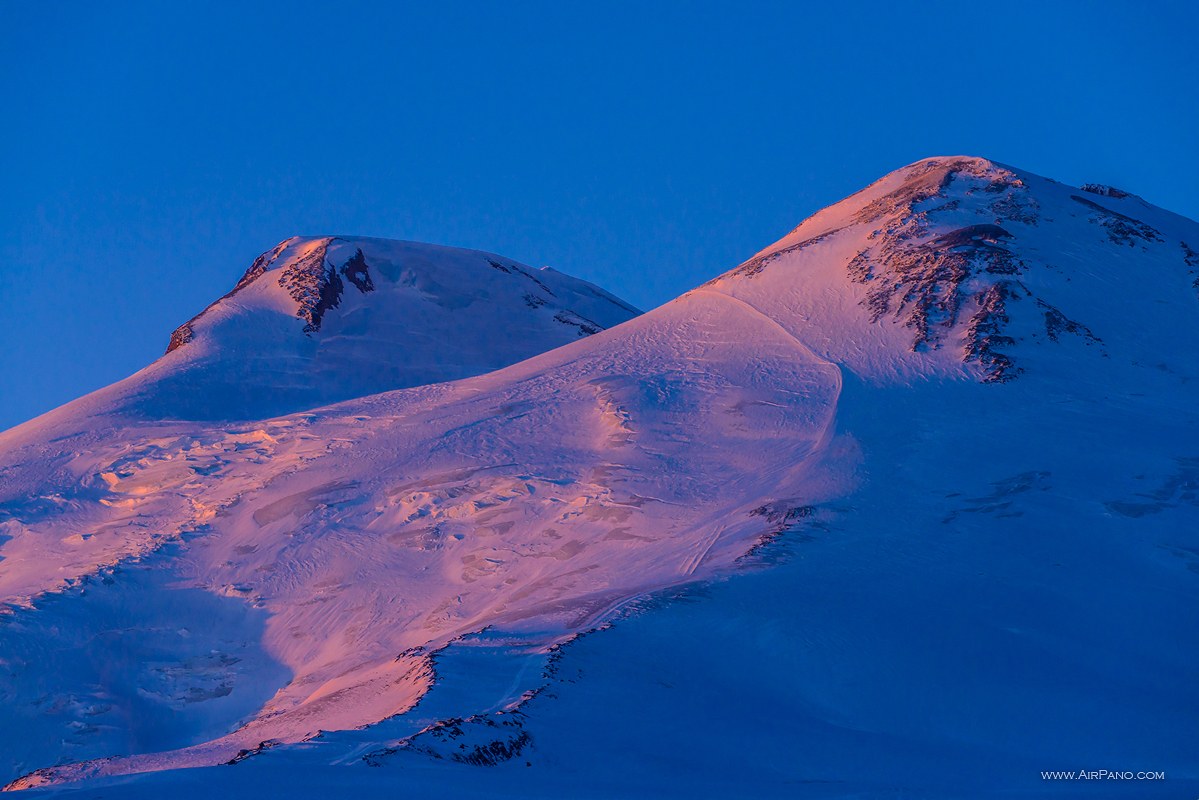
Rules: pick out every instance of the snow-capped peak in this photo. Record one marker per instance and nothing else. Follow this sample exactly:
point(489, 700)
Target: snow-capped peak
point(276, 579)
point(316, 320)
point(316, 272)
point(957, 265)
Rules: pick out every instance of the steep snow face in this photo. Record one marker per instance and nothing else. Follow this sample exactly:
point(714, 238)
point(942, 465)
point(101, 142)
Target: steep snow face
point(320, 320)
point(961, 267)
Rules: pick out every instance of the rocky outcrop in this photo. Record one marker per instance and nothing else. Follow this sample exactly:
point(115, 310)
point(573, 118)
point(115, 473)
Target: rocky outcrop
point(985, 336)
point(317, 285)
point(358, 273)
point(1104, 191)
point(186, 332)
point(1057, 323)
point(585, 326)
point(482, 740)
point(513, 269)
point(758, 263)
point(920, 280)
point(1121, 228)
point(182, 335)
point(926, 278)
point(314, 284)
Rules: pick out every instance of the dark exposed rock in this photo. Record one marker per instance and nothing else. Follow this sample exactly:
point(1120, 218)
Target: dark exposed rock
point(1121, 229)
point(984, 334)
point(413, 652)
point(972, 237)
point(513, 269)
point(926, 278)
point(1105, 191)
point(537, 281)
point(329, 297)
point(181, 335)
point(795, 522)
point(482, 740)
point(311, 280)
point(758, 263)
point(494, 752)
point(923, 182)
point(1016, 207)
point(313, 284)
point(261, 264)
point(586, 327)
point(358, 273)
point(1057, 323)
point(1191, 259)
point(782, 513)
point(243, 754)
point(1189, 256)
point(185, 332)
point(317, 286)
point(921, 281)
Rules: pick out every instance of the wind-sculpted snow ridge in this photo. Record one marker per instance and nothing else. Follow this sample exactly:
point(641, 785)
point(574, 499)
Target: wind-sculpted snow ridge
point(885, 409)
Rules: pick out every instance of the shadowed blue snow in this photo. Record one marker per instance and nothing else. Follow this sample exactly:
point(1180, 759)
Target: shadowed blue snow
point(143, 664)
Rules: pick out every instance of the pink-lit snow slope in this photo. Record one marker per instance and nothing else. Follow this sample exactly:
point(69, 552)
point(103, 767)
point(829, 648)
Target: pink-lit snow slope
point(349, 543)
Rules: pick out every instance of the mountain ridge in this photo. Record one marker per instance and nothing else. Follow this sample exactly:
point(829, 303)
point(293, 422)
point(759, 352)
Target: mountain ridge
point(395, 314)
point(850, 392)
point(949, 248)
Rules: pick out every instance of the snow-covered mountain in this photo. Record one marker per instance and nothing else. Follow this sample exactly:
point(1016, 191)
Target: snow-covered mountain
point(925, 466)
point(319, 320)
point(958, 267)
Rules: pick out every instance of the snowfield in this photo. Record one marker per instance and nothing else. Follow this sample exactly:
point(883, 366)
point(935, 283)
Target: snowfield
point(903, 506)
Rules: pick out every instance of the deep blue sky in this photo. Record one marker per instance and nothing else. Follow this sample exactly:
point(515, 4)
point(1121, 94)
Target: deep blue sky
point(150, 151)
